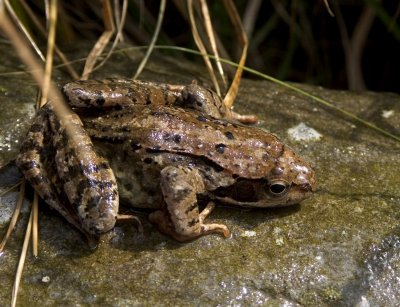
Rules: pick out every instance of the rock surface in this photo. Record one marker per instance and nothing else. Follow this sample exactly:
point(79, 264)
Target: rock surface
point(341, 247)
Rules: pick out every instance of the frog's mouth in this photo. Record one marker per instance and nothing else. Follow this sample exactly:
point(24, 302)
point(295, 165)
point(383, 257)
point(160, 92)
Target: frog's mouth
point(260, 193)
point(242, 191)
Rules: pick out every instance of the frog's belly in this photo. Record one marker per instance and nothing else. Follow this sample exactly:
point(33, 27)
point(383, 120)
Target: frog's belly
point(138, 182)
point(136, 187)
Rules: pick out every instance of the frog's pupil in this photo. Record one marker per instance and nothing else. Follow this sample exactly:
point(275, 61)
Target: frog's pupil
point(277, 188)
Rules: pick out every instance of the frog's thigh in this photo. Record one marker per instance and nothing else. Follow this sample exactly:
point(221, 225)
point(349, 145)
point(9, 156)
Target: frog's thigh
point(88, 179)
point(183, 221)
point(30, 162)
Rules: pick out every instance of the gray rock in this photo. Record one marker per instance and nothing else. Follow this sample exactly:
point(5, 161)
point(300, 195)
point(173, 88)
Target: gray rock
point(340, 247)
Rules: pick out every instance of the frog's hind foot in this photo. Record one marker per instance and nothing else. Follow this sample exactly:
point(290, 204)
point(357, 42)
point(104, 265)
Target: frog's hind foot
point(92, 240)
point(165, 225)
point(131, 218)
point(210, 228)
point(181, 217)
point(248, 119)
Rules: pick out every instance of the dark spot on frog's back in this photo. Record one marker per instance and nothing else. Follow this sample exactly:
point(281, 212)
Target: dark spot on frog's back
point(159, 113)
point(201, 118)
point(135, 145)
point(154, 149)
point(36, 180)
point(229, 135)
point(177, 138)
point(132, 95)
point(220, 148)
point(266, 157)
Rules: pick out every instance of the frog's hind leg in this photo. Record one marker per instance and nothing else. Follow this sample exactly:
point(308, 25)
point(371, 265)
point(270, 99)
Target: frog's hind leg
point(87, 178)
point(196, 97)
point(31, 161)
point(78, 184)
point(182, 219)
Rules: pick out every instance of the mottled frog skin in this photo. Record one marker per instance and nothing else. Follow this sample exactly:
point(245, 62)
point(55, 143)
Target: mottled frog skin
point(170, 148)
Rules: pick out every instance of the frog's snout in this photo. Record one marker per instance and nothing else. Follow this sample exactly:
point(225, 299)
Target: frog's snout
point(306, 187)
point(306, 180)
point(300, 172)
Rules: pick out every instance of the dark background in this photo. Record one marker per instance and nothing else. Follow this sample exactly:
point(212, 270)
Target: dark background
point(295, 40)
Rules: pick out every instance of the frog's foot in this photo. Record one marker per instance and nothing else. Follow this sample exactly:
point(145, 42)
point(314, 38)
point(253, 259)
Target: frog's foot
point(210, 228)
point(131, 218)
point(182, 219)
point(245, 119)
point(92, 240)
point(165, 225)
point(196, 97)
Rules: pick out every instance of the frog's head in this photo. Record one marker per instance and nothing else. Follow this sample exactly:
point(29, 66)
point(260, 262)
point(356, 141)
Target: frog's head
point(288, 182)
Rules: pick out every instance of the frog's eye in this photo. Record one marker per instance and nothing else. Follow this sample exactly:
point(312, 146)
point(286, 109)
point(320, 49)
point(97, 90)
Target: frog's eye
point(278, 187)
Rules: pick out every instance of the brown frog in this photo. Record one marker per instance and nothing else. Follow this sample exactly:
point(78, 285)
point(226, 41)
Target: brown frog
point(165, 147)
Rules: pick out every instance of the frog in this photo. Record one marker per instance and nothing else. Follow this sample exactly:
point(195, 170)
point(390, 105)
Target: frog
point(175, 150)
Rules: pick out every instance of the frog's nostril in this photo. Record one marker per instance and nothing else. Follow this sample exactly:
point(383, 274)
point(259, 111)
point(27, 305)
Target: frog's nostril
point(306, 187)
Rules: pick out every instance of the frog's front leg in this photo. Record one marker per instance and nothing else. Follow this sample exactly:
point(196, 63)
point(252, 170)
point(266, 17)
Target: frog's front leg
point(181, 219)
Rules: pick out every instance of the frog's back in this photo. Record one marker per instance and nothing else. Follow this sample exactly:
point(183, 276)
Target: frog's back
point(244, 151)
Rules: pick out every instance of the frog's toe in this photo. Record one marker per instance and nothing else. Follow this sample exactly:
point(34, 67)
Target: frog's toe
point(131, 218)
point(92, 240)
point(249, 119)
point(210, 228)
point(165, 225)
point(218, 228)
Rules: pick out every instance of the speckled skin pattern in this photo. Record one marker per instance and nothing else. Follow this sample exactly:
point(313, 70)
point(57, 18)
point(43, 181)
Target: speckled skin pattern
point(158, 146)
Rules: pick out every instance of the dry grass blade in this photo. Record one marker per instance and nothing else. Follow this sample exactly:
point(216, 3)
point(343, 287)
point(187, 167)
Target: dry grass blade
point(60, 110)
point(23, 29)
point(35, 68)
point(118, 37)
point(21, 261)
point(10, 188)
point(15, 216)
point(200, 45)
point(234, 16)
point(210, 33)
point(322, 101)
point(328, 8)
point(35, 223)
point(59, 53)
point(102, 41)
point(153, 39)
point(50, 50)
